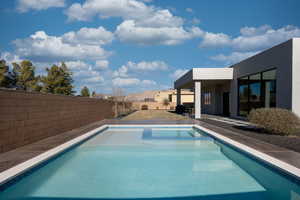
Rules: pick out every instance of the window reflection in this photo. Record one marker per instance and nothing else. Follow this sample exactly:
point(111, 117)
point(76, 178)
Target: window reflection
point(207, 98)
point(243, 99)
point(256, 91)
point(269, 86)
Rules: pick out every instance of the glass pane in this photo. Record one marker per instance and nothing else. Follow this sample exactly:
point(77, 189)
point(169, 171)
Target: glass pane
point(269, 75)
point(255, 95)
point(269, 85)
point(255, 77)
point(207, 98)
point(243, 99)
point(273, 94)
point(244, 80)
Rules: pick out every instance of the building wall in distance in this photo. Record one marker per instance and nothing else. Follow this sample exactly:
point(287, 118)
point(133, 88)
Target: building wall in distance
point(187, 96)
point(153, 105)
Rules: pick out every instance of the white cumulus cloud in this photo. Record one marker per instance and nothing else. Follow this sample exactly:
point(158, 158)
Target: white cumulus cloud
point(77, 65)
point(10, 57)
point(140, 67)
point(142, 23)
point(125, 82)
point(102, 64)
point(94, 79)
point(234, 57)
point(84, 72)
point(178, 73)
point(215, 40)
point(251, 38)
point(121, 72)
point(26, 5)
point(148, 82)
point(128, 31)
point(126, 9)
point(42, 47)
point(87, 75)
point(88, 36)
point(147, 66)
point(190, 10)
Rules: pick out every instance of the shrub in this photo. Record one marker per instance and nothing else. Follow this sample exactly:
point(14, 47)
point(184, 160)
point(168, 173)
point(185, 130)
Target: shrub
point(180, 109)
point(275, 120)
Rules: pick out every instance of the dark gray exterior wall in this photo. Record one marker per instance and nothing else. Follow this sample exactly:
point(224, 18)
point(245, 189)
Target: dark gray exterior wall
point(279, 57)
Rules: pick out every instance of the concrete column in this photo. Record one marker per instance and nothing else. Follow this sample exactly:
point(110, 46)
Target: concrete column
point(178, 95)
point(197, 99)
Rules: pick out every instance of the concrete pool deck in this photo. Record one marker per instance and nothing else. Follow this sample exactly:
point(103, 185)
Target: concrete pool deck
point(17, 156)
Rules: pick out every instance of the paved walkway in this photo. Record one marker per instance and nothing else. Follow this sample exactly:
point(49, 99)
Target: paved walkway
point(14, 157)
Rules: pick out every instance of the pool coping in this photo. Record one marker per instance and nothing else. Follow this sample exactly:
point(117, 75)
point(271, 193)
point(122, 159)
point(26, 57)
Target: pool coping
point(23, 167)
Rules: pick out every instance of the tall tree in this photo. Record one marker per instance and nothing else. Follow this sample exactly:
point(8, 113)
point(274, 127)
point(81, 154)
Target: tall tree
point(85, 92)
point(58, 80)
point(4, 74)
point(24, 74)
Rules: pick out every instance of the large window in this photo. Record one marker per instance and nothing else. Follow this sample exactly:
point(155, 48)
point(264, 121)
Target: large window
point(256, 91)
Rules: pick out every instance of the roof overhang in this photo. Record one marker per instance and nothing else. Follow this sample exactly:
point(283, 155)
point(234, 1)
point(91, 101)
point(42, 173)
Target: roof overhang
point(198, 74)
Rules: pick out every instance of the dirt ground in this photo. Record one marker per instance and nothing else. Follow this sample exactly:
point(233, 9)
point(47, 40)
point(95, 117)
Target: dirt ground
point(154, 115)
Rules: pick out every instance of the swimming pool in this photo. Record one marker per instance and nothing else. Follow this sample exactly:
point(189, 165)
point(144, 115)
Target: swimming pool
point(137, 162)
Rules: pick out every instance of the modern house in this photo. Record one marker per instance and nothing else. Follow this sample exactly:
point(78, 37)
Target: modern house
point(268, 79)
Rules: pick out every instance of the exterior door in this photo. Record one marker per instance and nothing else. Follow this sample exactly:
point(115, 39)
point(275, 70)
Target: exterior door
point(226, 104)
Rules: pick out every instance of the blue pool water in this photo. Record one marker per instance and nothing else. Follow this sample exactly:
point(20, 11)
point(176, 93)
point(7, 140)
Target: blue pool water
point(171, 163)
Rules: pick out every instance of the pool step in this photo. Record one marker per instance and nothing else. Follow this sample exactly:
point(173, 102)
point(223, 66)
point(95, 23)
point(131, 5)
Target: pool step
point(172, 134)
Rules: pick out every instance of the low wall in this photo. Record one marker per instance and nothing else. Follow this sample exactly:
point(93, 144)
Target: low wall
point(28, 117)
point(153, 105)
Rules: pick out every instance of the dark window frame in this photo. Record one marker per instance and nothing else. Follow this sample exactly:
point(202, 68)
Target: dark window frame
point(262, 89)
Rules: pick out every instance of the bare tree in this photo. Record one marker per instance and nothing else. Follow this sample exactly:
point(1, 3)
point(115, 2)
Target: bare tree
point(166, 102)
point(118, 95)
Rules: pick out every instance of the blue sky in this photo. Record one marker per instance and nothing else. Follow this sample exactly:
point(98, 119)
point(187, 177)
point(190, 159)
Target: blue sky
point(141, 44)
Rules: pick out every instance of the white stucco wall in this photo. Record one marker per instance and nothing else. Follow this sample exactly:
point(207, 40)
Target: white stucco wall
point(212, 73)
point(296, 77)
